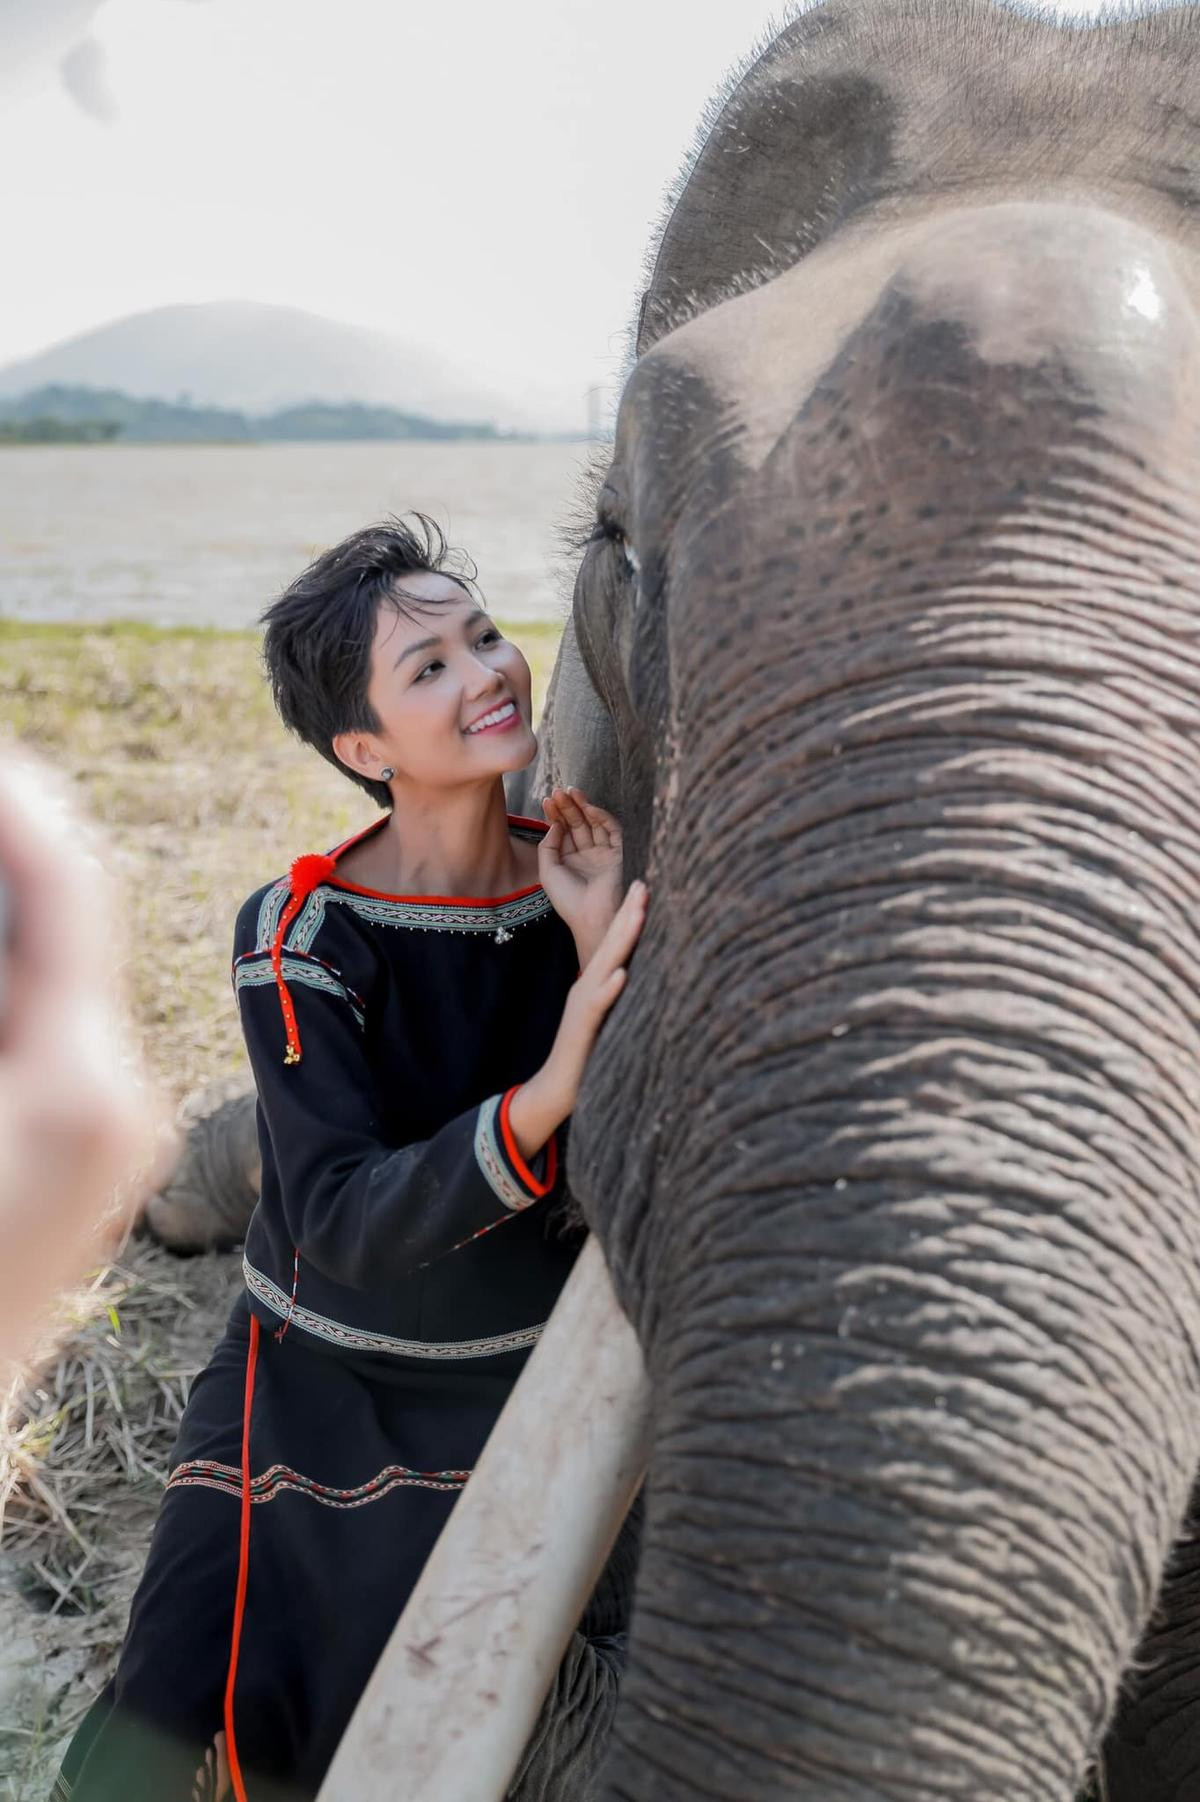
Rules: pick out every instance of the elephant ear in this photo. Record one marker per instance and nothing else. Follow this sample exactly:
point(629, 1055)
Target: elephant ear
point(800, 135)
point(576, 740)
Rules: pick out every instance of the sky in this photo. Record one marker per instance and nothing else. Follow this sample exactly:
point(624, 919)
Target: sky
point(478, 176)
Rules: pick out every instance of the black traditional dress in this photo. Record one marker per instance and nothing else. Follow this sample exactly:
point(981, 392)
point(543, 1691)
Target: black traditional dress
point(400, 1264)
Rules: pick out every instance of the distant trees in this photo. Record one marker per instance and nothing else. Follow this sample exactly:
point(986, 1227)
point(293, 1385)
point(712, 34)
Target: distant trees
point(128, 417)
point(61, 414)
point(352, 419)
point(44, 429)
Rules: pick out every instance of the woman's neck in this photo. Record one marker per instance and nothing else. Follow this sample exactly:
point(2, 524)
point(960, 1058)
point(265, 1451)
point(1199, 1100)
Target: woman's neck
point(449, 843)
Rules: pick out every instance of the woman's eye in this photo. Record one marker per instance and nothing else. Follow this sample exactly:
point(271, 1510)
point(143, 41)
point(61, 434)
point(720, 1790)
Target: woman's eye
point(484, 637)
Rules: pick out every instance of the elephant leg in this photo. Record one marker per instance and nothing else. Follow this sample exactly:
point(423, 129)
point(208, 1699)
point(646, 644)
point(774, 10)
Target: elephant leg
point(208, 1198)
point(563, 1759)
point(1152, 1753)
point(570, 1740)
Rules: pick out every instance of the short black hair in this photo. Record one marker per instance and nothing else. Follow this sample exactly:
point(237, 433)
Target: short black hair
point(317, 647)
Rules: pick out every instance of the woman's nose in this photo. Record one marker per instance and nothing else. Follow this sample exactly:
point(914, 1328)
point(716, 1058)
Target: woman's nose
point(483, 678)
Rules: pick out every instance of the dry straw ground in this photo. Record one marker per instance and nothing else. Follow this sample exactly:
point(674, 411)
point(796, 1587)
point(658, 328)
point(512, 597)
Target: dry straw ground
point(171, 743)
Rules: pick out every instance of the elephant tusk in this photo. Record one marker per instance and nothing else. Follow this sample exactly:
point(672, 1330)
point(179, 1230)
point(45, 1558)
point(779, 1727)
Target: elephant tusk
point(456, 1693)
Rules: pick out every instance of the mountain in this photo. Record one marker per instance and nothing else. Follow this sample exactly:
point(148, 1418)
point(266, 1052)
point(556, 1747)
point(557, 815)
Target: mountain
point(59, 413)
point(253, 358)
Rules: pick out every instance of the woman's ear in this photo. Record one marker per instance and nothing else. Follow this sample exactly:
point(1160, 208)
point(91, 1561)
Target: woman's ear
point(359, 754)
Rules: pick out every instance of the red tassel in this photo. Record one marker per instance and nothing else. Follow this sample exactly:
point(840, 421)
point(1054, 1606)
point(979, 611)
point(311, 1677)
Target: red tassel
point(307, 873)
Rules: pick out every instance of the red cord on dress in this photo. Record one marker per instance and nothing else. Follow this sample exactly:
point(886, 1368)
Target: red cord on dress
point(307, 873)
point(243, 1576)
point(277, 1335)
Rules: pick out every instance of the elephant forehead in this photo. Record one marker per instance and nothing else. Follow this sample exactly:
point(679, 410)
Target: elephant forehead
point(896, 108)
point(1024, 282)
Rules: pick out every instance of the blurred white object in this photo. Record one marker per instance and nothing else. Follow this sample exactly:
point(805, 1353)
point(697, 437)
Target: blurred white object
point(81, 1134)
point(37, 36)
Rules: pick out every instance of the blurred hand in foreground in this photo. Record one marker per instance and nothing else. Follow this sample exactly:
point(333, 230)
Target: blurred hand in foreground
point(81, 1137)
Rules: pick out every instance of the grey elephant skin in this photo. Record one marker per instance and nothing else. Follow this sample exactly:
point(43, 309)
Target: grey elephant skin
point(886, 650)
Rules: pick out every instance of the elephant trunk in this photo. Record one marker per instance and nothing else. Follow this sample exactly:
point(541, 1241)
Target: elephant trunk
point(905, 1150)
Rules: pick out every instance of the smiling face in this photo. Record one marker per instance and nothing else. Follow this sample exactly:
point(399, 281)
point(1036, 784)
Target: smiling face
point(451, 694)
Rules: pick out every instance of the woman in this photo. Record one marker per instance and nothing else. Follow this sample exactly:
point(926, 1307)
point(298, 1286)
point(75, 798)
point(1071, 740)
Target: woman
point(418, 1007)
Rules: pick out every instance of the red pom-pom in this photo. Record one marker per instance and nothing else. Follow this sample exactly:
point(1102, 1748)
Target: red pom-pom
point(309, 872)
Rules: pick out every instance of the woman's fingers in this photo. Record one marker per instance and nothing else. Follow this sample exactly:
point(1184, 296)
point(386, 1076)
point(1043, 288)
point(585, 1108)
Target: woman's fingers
point(611, 987)
point(597, 820)
point(552, 808)
point(617, 944)
point(575, 818)
point(605, 825)
point(563, 841)
point(585, 824)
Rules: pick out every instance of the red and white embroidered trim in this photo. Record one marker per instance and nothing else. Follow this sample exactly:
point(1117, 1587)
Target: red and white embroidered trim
point(279, 1479)
point(287, 1319)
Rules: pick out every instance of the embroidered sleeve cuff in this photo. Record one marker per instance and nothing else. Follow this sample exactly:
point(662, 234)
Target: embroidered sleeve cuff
point(496, 1152)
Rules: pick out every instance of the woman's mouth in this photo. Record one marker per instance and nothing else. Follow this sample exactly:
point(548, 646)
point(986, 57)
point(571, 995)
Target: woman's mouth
point(500, 719)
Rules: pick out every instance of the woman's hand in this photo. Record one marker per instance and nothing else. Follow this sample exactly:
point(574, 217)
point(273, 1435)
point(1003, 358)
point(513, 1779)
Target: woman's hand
point(579, 864)
point(546, 1100)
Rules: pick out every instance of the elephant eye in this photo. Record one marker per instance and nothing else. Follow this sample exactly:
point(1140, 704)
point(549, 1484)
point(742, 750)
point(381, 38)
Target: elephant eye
point(605, 532)
point(633, 564)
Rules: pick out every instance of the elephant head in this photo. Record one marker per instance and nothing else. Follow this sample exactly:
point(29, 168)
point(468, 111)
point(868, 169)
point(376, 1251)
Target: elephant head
point(887, 647)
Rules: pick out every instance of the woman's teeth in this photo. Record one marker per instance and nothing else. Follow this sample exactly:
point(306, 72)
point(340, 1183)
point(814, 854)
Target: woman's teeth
point(493, 719)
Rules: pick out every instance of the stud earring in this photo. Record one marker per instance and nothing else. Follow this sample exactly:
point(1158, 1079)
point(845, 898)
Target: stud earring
point(386, 774)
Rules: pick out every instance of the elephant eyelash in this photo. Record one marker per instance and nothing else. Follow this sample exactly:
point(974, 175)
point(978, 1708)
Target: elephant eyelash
point(576, 538)
point(603, 530)
point(576, 525)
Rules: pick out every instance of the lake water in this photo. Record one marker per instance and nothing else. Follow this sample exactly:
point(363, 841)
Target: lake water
point(208, 534)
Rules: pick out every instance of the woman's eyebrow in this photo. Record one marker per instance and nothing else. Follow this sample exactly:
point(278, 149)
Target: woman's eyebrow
point(428, 644)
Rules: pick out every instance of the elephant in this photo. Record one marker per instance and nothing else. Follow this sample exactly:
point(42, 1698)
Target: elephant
point(883, 646)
